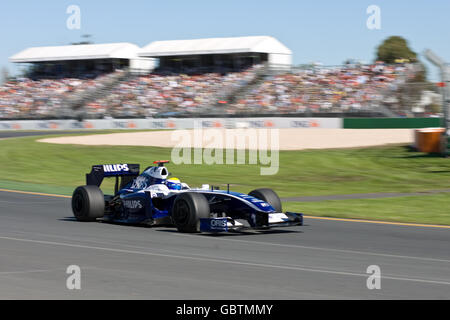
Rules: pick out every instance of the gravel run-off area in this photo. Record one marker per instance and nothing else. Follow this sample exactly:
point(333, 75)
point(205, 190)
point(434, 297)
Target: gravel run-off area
point(282, 139)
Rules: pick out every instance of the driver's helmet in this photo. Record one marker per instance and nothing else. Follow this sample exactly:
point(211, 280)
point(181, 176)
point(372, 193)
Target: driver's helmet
point(173, 184)
point(156, 175)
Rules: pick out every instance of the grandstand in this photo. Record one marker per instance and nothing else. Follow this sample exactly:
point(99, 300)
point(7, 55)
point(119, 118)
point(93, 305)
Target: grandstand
point(82, 60)
point(58, 79)
point(218, 54)
point(241, 76)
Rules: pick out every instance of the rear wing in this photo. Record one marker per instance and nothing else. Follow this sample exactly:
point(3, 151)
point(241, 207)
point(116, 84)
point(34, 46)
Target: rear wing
point(127, 172)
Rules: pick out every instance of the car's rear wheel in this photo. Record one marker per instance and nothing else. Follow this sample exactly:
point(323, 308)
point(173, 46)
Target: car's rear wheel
point(88, 203)
point(187, 210)
point(269, 196)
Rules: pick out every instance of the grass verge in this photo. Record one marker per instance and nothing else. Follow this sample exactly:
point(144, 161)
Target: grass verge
point(430, 209)
point(28, 165)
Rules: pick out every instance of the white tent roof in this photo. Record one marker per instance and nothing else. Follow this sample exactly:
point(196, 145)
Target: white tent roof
point(261, 44)
point(121, 50)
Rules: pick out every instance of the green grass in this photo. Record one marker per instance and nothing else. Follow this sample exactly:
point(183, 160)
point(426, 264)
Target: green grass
point(301, 173)
point(32, 166)
point(432, 209)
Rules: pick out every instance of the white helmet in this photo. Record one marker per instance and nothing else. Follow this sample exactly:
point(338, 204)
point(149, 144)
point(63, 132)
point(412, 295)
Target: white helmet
point(157, 174)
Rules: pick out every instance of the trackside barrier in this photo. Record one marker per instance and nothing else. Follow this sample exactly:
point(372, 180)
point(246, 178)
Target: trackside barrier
point(175, 123)
point(190, 123)
point(391, 123)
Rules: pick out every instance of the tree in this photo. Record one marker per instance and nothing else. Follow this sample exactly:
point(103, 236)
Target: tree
point(394, 48)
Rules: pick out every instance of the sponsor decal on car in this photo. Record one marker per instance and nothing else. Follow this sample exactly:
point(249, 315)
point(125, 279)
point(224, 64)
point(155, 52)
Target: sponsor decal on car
point(218, 223)
point(132, 204)
point(214, 224)
point(140, 183)
point(116, 168)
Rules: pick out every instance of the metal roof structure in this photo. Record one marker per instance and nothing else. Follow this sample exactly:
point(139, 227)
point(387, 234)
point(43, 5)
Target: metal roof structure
point(261, 44)
point(122, 50)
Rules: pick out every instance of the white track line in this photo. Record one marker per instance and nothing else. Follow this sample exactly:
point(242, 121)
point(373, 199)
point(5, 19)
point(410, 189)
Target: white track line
point(323, 249)
point(245, 242)
point(28, 271)
point(251, 264)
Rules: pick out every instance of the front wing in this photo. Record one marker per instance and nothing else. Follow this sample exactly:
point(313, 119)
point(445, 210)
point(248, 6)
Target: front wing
point(227, 224)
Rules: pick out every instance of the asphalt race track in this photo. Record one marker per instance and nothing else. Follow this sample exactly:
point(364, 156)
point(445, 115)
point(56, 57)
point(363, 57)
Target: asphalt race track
point(324, 259)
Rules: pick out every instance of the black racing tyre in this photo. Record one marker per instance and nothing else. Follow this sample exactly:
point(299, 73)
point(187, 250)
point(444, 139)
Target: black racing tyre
point(269, 196)
point(188, 208)
point(88, 203)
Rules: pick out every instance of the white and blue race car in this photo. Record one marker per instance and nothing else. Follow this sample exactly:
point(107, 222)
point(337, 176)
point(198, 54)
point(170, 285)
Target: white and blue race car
point(152, 198)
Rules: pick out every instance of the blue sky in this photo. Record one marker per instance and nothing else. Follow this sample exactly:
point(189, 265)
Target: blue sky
point(326, 31)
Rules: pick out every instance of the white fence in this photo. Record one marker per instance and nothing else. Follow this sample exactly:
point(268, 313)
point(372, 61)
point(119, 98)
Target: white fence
point(187, 123)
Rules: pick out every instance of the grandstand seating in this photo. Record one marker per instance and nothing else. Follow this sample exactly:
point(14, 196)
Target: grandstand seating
point(28, 98)
point(162, 92)
point(312, 90)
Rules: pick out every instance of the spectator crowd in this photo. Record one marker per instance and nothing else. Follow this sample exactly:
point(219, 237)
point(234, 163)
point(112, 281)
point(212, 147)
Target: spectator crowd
point(156, 93)
point(42, 98)
point(352, 87)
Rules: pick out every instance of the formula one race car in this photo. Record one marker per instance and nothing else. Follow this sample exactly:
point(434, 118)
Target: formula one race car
point(152, 198)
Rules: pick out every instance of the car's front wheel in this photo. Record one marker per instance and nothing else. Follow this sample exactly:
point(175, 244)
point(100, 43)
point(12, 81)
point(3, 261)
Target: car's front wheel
point(88, 203)
point(187, 210)
point(269, 196)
